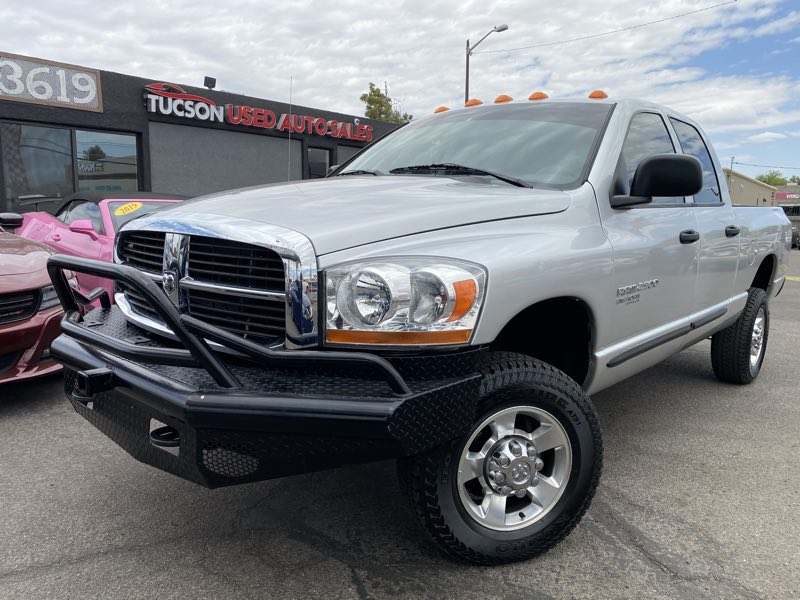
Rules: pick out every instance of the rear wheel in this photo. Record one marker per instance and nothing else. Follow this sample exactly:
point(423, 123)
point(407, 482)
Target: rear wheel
point(737, 352)
point(522, 478)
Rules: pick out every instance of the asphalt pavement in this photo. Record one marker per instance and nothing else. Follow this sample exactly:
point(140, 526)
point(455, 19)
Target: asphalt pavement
point(700, 498)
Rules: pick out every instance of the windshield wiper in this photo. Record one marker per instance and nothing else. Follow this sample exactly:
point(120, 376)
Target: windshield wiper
point(359, 172)
point(458, 170)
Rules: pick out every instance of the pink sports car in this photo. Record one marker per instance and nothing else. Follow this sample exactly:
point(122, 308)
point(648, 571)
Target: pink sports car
point(86, 223)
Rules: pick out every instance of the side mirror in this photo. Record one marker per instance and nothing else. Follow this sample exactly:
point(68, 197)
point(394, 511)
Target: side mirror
point(331, 169)
point(663, 175)
point(10, 220)
point(84, 226)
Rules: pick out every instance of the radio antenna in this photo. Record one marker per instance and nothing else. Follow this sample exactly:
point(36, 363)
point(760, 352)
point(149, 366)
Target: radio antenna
point(289, 162)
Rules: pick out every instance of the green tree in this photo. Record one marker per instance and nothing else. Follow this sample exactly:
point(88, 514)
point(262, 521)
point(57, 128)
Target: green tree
point(381, 108)
point(773, 178)
point(794, 179)
point(94, 153)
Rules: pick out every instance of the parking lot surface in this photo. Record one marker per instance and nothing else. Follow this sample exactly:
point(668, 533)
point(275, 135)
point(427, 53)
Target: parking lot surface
point(700, 497)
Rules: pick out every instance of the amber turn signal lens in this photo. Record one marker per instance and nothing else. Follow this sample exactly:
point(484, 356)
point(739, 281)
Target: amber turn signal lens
point(466, 292)
point(538, 96)
point(473, 102)
point(441, 109)
point(398, 338)
point(598, 95)
point(503, 98)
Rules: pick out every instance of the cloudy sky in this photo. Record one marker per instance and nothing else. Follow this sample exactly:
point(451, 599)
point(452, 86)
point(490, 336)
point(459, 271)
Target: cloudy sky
point(735, 68)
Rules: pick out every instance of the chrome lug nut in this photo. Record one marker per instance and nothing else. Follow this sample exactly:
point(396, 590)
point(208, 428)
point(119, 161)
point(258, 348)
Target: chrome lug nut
point(534, 482)
point(538, 464)
point(504, 461)
point(506, 491)
point(516, 449)
point(499, 477)
point(520, 493)
point(531, 451)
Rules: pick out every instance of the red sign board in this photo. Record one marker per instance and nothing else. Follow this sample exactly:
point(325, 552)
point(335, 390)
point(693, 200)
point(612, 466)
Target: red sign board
point(173, 100)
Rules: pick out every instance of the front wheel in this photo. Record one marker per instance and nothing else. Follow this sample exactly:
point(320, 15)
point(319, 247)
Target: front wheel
point(522, 478)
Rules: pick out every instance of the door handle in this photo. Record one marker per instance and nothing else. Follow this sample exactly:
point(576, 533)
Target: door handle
point(55, 237)
point(690, 236)
point(732, 231)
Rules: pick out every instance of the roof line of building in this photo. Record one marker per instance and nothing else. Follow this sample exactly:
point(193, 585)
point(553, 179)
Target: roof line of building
point(728, 173)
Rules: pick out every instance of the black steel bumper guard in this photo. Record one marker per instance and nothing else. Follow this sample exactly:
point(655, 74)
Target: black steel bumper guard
point(227, 418)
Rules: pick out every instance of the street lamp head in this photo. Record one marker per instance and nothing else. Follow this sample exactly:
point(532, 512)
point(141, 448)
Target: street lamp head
point(499, 28)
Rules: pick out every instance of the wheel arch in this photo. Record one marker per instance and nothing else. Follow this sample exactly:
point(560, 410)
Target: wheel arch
point(765, 273)
point(558, 331)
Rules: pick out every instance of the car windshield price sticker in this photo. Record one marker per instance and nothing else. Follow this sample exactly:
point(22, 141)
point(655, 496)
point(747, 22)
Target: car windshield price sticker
point(36, 81)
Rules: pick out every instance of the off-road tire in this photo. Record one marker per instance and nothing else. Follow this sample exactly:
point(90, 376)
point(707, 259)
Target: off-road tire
point(429, 479)
point(730, 348)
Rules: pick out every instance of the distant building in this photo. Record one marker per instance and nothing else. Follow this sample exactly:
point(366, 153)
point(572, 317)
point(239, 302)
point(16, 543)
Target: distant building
point(746, 191)
point(788, 194)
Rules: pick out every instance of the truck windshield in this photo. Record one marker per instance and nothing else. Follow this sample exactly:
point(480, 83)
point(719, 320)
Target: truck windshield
point(543, 145)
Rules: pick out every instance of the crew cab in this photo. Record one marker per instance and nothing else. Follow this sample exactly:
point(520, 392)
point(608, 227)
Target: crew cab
point(450, 297)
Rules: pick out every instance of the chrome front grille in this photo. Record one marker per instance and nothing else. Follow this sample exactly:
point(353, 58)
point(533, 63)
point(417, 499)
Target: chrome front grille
point(18, 306)
point(234, 263)
point(235, 286)
point(257, 319)
point(143, 250)
point(137, 301)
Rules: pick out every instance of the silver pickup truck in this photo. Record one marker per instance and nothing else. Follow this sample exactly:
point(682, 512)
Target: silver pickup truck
point(450, 297)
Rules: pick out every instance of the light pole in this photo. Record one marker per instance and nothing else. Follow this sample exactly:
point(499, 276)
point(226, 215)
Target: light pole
point(496, 28)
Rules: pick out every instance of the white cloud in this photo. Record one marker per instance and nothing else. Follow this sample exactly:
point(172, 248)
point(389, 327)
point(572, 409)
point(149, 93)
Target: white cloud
point(334, 49)
point(767, 136)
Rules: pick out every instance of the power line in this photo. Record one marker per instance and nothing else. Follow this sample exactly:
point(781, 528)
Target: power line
point(767, 166)
point(596, 35)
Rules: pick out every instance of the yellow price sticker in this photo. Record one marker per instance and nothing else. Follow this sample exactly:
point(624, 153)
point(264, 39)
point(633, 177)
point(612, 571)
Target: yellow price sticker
point(128, 208)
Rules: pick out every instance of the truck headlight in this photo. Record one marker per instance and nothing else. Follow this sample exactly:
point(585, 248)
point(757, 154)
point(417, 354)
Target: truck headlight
point(403, 301)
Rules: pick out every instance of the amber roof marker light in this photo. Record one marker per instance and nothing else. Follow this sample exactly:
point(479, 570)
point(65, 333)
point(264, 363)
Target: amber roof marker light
point(598, 95)
point(503, 98)
point(441, 109)
point(538, 96)
point(495, 29)
point(473, 102)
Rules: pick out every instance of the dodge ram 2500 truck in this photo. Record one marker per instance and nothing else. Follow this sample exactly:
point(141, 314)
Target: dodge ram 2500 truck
point(449, 297)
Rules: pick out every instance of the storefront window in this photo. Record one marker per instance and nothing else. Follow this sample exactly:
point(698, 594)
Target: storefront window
point(319, 159)
point(106, 162)
point(36, 161)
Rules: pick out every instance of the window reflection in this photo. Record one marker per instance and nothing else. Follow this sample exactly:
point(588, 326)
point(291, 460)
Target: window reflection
point(36, 160)
point(106, 162)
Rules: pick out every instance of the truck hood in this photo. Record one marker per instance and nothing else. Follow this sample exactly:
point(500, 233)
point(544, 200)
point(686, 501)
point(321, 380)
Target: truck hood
point(19, 256)
point(343, 212)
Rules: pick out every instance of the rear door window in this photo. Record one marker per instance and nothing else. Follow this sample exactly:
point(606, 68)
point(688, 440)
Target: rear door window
point(692, 144)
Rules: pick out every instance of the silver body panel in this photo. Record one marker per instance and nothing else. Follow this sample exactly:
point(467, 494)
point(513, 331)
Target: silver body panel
point(535, 244)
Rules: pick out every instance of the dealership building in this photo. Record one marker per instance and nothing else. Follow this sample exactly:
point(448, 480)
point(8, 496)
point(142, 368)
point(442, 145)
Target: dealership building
point(65, 128)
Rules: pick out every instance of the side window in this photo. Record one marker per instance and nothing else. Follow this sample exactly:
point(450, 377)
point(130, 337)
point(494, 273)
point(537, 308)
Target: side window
point(84, 211)
point(647, 135)
point(693, 145)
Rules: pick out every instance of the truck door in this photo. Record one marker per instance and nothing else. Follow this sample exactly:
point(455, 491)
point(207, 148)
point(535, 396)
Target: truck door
point(655, 245)
point(716, 223)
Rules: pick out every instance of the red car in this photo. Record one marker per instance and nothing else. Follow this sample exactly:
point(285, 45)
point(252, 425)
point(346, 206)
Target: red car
point(30, 312)
point(86, 223)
